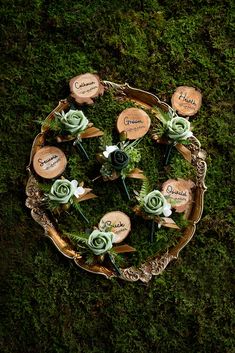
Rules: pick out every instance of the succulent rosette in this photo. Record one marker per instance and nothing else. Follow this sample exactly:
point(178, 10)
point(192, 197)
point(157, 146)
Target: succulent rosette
point(63, 190)
point(74, 121)
point(156, 204)
point(119, 159)
point(100, 242)
point(178, 128)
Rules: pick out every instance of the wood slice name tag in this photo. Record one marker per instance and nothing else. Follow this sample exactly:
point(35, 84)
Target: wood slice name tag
point(118, 223)
point(178, 193)
point(186, 100)
point(85, 87)
point(49, 162)
point(134, 122)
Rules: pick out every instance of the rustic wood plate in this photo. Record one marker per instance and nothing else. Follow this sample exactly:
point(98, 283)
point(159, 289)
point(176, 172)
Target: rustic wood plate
point(154, 265)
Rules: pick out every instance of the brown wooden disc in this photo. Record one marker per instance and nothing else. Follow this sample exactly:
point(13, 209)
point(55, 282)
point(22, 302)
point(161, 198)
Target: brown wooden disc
point(178, 193)
point(49, 162)
point(85, 87)
point(118, 223)
point(134, 122)
point(186, 100)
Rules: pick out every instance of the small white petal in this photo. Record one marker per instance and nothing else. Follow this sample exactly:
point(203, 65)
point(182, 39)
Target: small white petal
point(76, 194)
point(159, 225)
point(74, 183)
point(110, 149)
point(79, 191)
point(189, 134)
point(167, 213)
point(167, 210)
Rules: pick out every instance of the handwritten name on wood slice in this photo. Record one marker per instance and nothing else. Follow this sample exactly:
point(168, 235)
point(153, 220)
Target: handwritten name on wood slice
point(134, 122)
point(186, 100)
point(85, 87)
point(178, 193)
point(49, 162)
point(118, 223)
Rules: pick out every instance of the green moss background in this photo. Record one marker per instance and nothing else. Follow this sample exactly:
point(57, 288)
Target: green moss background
point(48, 304)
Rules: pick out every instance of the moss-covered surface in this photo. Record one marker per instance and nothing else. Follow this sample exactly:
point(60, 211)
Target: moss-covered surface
point(49, 305)
point(110, 194)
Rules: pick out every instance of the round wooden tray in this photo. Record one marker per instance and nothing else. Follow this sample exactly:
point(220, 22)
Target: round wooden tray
point(154, 265)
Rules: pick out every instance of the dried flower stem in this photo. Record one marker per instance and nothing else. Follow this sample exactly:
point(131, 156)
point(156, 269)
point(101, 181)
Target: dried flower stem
point(167, 153)
point(114, 264)
point(125, 188)
point(152, 231)
point(81, 150)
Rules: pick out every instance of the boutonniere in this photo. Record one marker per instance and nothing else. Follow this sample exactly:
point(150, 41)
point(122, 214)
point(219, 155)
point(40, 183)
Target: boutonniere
point(63, 194)
point(153, 206)
point(98, 246)
point(176, 131)
point(119, 161)
point(73, 125)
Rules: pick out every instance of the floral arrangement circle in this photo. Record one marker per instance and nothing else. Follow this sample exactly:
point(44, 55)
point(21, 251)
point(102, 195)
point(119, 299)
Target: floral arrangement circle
point(104, 160)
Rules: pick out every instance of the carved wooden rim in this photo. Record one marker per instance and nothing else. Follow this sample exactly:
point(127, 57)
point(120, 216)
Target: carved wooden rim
point(154, 265)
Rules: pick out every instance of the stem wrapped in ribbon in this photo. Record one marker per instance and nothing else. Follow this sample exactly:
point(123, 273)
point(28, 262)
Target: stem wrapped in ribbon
point(174, 132)
point(64, 193)
point(152, 205)
point(118, 161)
point(72, 125)
point(178, 130)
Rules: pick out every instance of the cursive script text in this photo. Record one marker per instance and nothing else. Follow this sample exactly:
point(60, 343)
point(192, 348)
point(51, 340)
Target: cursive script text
point(170, 190)
point(183, 96)
point(83, 84)
point(128, 121)
point(42, 162)
point(114, 225)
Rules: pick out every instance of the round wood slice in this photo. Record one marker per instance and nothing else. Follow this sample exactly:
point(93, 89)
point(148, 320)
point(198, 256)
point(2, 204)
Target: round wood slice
point(186, 100)
point(118, 223)
point(134, 122)
point(49, 162)
point(85, 87)
point(178, 193)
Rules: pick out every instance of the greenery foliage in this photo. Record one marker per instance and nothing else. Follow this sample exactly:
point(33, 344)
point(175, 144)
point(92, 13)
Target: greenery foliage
point(49, 304)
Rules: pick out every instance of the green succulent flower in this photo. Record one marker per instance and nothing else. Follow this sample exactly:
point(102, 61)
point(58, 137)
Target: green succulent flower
point(178, 128)
point(156, 204)
point(119, 159)
point(100, 242)
point(74, 121)
point(62, 190)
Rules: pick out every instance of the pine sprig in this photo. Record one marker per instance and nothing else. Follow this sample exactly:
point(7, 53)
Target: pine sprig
point(45, 188)
point(164, 116)
point(167, 116)
point(78, 238)
point(53, 124)
point(159, 130)
point(145, 189)
point(53, 206)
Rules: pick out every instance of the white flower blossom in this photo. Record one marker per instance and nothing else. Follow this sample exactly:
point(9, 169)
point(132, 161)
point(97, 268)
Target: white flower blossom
point(79, 190)
point(156, 204)
point(167, 210)
point(109, 149)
